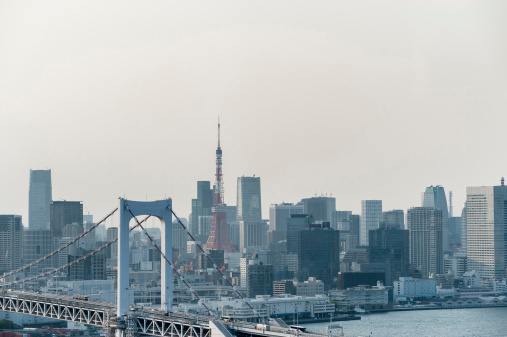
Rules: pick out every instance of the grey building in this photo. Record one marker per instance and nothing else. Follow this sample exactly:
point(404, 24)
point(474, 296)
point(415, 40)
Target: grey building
point(296, 223)
point(39, 199)
point(280, 213)
point(252, 230)
point(394, 219)
point(11, 242)
point(259, 279)
point(37, 244)
point(65, 213)
point(319, 254)
point(321, 208)
point(434, 196)
point(202, 205)
point(390, 246)
point(371, 215)
point(425, 231)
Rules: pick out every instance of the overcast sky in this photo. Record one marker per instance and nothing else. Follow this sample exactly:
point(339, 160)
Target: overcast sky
point(358, 99)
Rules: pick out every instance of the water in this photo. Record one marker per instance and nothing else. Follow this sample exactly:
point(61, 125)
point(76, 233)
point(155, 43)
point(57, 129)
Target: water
point(444, 322)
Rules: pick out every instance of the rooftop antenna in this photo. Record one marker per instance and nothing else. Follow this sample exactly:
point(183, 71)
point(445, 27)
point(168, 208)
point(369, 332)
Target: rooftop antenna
point(502, 181)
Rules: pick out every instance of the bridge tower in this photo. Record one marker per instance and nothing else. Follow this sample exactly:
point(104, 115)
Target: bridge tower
point(162, 209)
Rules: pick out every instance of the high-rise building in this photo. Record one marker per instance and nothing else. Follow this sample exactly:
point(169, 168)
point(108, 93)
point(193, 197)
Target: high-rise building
point(319, 254)
point(434, 196)
point(252, 230)
point(280, 213)
point(219, 238)
point(65, 213)
point(296, 223)
point(39, 199)
point(394, 219)
point(425, 231)
point(11, 242)
point(259, 279)
point(389, 245)
point(36, 244)
point(371, 215)
point(486, 227)
point(321, 208)
point(464, 228)
point(202, 205)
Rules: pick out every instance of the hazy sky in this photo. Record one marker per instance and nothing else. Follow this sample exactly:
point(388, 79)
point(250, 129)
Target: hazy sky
point(361, 99)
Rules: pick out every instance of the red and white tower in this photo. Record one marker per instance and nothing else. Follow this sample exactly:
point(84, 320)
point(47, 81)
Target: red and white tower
point(219, 236)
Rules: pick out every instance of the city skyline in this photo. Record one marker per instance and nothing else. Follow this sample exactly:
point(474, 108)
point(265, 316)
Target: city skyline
point(314, 100)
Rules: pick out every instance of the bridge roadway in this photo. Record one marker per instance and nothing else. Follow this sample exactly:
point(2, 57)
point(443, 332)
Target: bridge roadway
point(140, 321)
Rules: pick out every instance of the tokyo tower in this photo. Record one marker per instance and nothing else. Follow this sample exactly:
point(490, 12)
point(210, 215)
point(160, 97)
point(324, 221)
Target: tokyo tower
point(219, 235)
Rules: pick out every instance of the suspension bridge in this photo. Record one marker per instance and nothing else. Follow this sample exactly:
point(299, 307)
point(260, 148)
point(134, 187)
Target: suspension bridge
point(122, 318)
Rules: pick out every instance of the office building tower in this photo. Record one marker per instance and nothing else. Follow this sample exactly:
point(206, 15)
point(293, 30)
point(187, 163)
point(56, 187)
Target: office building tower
point(371, 215)
point(252, 230)
point(425, 231)
point(65, 213)
point(37, 244)
point(390, 246)
point(202, 205)
point(259, 279)
point(11, 242)
point(434, 196)
point(296, 223)
point(280, 213)
point(464, 228)
point(180, 236)
point(348, 225)
point(39, 199)
point(219, 238)
point(455, 231)
point(321, 208)
point(319, 254)
point(112, 234)
point(394, 219)
point(486, 226)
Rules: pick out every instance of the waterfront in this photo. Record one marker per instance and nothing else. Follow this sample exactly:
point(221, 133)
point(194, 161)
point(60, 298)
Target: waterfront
point(445, 322)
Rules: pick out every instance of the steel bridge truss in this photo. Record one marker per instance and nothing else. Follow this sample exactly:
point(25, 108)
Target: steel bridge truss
point(162, 327)
point(69, 311)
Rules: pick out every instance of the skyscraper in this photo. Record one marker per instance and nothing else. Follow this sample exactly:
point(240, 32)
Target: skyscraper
point(486, 228)
point(319, 254)
point(434, 196)
point(425, 231)
point(280, 213)
point(390, 245)
point(394, 219)
point(219, 238)
point(39, 199)
point(321, 208)
point(11, 242)
point(371, 215)
point(65, 213)
point(252, 230)
point(202, 205)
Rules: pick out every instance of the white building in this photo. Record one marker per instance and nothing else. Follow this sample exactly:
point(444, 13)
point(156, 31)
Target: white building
point(311, 287)
point(267, 306)
point(371, 215)
point(364, 297)
point(472, 279)
point(407, 286)
point(456, 264)
point(486, 231)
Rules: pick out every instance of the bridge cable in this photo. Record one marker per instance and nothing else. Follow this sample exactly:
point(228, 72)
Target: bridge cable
point(216, 267)
point(58, 250)
point(172, 266)
point(70, 264)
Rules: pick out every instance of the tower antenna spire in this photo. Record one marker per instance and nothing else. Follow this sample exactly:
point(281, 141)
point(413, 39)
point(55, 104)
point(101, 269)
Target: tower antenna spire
point(219, 237)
